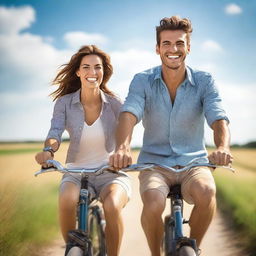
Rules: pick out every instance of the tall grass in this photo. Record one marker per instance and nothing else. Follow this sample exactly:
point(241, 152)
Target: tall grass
point(237, 198)
point(19, 151)
point(28, 205)
point(28, 217)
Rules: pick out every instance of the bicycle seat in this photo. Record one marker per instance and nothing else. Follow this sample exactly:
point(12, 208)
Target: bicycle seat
point(175, 191)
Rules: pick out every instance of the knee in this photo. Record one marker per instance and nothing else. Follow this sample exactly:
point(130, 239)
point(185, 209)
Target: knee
point(204, 194)
point(112, 206)
point(68, 199)
point(67, 203)
point(153, 209)
point(153, 204)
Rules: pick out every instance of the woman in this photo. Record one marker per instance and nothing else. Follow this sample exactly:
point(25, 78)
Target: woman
point(88, 110)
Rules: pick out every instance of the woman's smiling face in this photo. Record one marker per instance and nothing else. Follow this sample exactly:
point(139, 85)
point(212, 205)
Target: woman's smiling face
point(91, 71)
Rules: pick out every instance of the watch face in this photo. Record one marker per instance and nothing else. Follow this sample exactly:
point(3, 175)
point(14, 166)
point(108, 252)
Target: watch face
point(47, 149)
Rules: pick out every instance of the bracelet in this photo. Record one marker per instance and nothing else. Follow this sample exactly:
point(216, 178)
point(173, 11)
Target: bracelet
point(49, 149)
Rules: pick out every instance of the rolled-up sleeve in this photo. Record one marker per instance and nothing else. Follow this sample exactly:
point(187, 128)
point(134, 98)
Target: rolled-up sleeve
point(58, 121)
point(212, 103)
point(135, 101)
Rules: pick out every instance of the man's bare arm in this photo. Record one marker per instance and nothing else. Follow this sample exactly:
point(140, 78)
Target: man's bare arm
point(222, 155)
point(122, 156)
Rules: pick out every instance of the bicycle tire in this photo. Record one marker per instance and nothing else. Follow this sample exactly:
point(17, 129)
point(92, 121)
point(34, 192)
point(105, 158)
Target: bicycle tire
point(187, 251)
point(168, 237)
point(75, 251)
point(96, 232)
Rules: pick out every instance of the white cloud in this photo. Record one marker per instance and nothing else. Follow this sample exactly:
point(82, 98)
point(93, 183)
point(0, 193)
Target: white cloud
point(211, 46)
point(27, 58)
point(233, 9)
point(239, 103)
point(76, 39)
point(27, 66)
point(27, 61)
point(12, 19)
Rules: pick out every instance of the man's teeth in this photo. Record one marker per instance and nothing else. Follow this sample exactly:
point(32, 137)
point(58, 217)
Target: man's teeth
point(172, 57)
point(91, 79)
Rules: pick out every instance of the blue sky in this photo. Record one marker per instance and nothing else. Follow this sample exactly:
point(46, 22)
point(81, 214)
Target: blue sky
point(36, 37)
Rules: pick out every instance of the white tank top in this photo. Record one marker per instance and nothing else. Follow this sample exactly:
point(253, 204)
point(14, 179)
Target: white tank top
point(92, 152)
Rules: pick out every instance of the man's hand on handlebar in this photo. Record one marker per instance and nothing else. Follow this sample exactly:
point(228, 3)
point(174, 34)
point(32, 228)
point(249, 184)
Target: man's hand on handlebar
point(120, 159)
point(221, 156)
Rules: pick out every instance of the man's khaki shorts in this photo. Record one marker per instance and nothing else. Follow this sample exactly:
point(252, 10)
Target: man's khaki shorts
point(161, 179)
point(97, 183)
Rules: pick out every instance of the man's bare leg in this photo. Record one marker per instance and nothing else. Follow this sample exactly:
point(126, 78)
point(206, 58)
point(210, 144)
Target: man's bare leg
point(151, 219)
point(203, 194)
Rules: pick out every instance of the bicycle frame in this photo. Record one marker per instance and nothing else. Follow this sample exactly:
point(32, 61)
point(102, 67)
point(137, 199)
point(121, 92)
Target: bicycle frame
point(83, 205)
point(174, 238)
point(177, 211)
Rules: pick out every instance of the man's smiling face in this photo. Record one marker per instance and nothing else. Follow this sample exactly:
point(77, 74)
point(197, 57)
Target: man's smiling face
point(173, 48)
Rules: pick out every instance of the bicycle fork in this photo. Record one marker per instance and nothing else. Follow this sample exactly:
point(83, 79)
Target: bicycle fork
point(78, 238)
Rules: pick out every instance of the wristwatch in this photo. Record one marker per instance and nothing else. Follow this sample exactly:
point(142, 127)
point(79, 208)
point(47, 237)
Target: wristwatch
point(49, 149)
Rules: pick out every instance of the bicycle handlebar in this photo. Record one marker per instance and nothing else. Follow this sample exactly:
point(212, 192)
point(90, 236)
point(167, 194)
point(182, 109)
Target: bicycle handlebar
point(57, 166)
point(140, 167)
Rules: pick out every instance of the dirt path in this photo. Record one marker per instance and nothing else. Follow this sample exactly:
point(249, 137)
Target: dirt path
point(216, 242)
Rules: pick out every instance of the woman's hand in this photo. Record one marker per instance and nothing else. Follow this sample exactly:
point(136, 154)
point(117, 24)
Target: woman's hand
point(42, 157)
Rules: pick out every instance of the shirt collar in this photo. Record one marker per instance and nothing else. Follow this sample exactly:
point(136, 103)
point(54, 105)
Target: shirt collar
point(189, 76)
point(104, 97)
point(158, 73)
point(76, 97)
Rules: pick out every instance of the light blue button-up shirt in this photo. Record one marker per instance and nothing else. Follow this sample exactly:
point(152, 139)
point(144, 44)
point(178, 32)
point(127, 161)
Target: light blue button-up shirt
point(174, 133)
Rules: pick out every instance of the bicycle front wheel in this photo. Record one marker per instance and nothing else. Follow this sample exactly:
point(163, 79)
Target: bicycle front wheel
point(75, 251)
point(96, 232)
point(168, 237)
point(187, 251)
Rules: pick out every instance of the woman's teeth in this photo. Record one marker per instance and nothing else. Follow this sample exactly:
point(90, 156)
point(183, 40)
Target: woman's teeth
point(91, 79)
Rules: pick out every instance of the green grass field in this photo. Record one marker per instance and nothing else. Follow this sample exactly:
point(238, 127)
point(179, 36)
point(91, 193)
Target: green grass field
point(28, 219)
point(19, 151)
point(237, 197)
point(28, 215)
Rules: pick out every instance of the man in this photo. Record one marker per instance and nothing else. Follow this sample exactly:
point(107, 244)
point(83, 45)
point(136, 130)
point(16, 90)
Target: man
point(174, 100)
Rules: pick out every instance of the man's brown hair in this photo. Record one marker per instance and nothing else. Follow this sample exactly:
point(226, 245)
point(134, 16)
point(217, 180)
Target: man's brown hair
point(174, 23)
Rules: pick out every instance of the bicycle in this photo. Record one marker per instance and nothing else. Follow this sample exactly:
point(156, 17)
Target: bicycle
point(89, 237)
point(174, 241)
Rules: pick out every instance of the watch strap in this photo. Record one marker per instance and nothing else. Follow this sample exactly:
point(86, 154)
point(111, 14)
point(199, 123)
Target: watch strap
point(49, 149)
